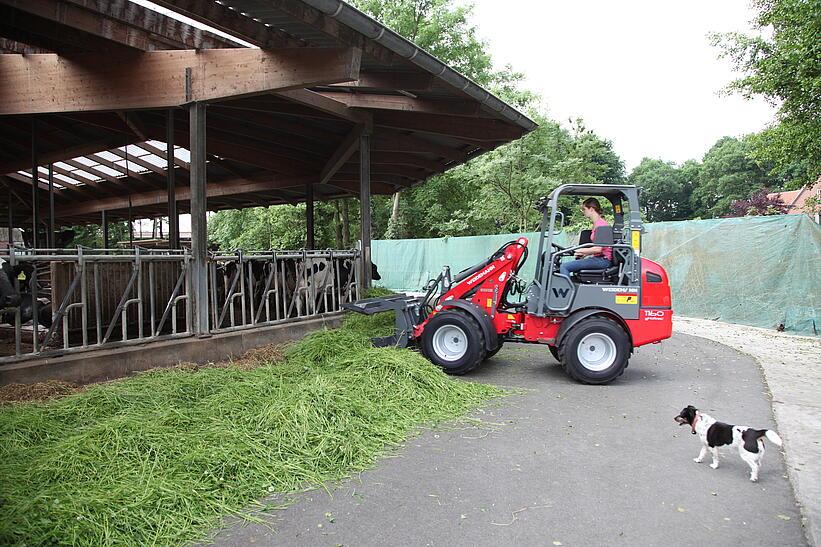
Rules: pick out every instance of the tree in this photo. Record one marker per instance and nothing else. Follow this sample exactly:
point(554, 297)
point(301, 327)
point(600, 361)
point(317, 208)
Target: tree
point(783, 64)
point(663, 195)
point(728, 172)
point(758, 204)
point(439, 27)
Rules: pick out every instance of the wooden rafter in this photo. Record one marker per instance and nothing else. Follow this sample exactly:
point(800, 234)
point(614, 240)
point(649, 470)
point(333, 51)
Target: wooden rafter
point(388, 140)
point(232, 22)
point(406, 81)
point(329, 106)
point(39, 32)
point(123, 22)
point(157, 79)
point(343, 152)
point(261, 183)
point(463, 128)
point(403, 103)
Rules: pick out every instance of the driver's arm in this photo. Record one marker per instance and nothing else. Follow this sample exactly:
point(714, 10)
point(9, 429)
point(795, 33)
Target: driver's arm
point(585, 251)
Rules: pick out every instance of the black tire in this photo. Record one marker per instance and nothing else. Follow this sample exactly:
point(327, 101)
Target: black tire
point(474, 341)
point(554, 351)
point(493, 352)
point(601, 329)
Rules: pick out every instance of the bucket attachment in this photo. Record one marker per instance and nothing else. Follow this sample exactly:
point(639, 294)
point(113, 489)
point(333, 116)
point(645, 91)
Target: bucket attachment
point(406, 313)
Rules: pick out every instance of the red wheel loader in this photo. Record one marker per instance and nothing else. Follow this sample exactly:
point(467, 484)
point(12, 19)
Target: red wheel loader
point(591, 321)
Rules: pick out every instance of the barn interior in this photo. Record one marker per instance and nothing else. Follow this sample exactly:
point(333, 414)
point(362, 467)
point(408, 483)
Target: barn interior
point(120, 110)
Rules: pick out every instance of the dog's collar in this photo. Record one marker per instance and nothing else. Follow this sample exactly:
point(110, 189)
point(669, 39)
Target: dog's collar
point(693, 425)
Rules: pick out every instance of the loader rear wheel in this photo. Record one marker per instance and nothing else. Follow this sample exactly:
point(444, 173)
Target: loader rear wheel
point(554, 351)
point(595, 351)
point(453, 341)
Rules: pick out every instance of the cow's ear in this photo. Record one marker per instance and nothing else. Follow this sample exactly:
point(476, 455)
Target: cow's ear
point(321, 266)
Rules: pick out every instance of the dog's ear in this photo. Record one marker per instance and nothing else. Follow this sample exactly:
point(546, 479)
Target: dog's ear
point(691, 407)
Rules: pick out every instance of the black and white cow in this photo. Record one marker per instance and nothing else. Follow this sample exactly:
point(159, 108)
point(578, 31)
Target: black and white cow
point(11, 299)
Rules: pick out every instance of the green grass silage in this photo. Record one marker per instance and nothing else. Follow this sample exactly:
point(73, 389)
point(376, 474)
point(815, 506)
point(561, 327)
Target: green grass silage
point(161, 457)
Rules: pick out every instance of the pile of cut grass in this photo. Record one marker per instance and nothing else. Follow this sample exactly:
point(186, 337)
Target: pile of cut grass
point(161, 457)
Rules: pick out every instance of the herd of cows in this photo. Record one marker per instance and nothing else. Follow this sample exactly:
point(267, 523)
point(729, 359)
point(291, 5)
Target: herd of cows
point(294, 287)
point(262, 289)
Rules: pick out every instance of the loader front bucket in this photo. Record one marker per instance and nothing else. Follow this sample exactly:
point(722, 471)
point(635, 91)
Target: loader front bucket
point(406, 314)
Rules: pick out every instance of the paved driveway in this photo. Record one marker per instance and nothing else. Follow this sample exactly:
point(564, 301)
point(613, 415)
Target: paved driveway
point(565, 464)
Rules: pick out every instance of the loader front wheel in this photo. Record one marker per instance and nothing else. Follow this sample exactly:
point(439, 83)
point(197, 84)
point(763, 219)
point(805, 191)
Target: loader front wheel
point(595, 351)
point(453, 341)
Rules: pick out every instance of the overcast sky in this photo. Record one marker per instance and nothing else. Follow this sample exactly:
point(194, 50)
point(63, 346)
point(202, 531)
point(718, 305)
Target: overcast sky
point(640, 72)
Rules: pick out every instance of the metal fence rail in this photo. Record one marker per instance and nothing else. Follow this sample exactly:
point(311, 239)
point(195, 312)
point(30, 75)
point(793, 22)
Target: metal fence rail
point(254, 288)
point(80, 299)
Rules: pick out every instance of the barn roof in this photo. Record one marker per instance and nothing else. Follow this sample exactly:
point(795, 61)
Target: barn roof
point(98, 82)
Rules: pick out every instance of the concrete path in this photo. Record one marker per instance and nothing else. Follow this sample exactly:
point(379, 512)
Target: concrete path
point(792, 370)
point(565, 464)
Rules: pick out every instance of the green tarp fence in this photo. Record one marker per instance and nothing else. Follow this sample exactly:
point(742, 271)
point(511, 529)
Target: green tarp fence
point(760, 271)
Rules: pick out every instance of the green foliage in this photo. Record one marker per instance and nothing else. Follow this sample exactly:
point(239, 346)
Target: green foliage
point(160, 458)
point(728, 172)
point(783, 65)
point(91, 235)
point(662, 197)
point(275, 227)
point(439, 27)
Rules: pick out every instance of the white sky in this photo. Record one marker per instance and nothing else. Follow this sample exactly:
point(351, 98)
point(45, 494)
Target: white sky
point(640, 72)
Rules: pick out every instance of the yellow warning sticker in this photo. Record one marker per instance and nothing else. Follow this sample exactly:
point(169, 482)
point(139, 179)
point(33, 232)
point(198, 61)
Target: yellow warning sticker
point(627, 299)
point(617, 209)
point(636, 240)
point(489, 302)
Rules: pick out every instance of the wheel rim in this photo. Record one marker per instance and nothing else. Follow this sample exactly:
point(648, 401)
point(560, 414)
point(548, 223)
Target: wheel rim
point(450, 343)
point(596, 352)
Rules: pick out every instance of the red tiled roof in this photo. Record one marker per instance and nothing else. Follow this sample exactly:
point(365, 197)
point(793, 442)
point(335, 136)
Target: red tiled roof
point(796, 199)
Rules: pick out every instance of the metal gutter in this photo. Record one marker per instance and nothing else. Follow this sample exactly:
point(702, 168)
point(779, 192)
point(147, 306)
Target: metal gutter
point(373, 30)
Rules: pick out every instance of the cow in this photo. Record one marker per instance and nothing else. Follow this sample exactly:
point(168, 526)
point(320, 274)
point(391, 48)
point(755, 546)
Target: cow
point(12, 299)
point(318, 279)
point(9, 297)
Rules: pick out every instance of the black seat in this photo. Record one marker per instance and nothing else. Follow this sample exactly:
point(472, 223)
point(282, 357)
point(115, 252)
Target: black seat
point(604, 236)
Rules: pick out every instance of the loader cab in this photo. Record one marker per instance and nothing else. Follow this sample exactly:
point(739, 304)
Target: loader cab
point(555, 294)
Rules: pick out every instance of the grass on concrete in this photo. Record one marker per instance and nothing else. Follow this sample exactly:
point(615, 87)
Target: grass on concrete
point(161, 457)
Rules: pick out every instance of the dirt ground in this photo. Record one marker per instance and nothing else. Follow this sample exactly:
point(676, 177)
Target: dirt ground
point(792, 371)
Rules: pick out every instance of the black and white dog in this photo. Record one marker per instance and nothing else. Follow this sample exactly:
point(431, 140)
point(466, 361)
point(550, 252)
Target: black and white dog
point(715, 434)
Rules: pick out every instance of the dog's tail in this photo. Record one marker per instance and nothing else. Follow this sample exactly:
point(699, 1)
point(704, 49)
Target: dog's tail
point(773, 437)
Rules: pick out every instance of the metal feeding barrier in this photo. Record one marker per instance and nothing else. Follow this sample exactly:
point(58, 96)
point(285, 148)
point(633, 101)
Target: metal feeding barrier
point(68, 300)
point(254, 288)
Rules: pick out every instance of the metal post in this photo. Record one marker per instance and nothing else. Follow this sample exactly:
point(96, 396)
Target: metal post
point(173, 219)
point(365, 207)
point(11, 223)
point(35, 185)
point(199, 226)
point(104, 222)
point(310, 243)
point(51, 231)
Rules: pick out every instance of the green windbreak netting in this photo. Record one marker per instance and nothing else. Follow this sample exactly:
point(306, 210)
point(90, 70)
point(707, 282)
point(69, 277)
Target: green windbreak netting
point(761, 271)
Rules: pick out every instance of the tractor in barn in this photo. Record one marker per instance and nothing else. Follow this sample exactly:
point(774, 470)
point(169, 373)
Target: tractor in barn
point(591, 320)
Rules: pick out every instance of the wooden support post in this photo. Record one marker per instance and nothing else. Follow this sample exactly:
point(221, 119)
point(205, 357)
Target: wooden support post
point(199, 226)
point(365, 207)
point(310, 243)
point(173, 217)
point(35, 186)
point(52, 235)
point(104, 223)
